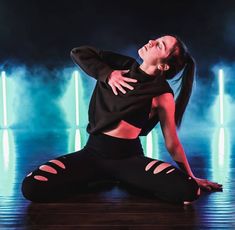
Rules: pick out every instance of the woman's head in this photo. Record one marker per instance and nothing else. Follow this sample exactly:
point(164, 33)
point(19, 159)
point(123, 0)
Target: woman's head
point(156, 52)
point(169, 55)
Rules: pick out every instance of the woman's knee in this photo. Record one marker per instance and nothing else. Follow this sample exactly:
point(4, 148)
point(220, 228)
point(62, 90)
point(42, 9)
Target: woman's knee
point(26, 188)
point(186, 191)
point(31, 189)
point(39, 185)
point(53, 178)
point(192, 190)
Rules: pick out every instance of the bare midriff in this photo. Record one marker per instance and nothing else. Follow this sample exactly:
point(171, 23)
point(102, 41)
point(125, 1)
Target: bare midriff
point(126, 130)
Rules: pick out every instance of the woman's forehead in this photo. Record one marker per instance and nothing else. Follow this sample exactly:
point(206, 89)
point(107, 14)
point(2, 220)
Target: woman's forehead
point(168, 40)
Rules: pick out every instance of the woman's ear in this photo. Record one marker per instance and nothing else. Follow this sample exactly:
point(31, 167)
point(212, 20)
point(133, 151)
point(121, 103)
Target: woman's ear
point(163, 67)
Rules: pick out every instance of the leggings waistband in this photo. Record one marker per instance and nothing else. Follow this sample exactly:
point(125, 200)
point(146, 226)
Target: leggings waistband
point(112, 147)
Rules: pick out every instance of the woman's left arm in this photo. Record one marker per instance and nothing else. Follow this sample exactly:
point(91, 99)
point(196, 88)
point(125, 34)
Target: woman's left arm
point(166, 113)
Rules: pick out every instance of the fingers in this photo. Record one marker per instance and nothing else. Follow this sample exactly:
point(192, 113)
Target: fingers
point(217, 187)
point(126, 79)
point(119, 85)
point(207, 185)
point(124, 71)
point(117, 81)
point(114, 89)
point(210, 186)
point(120, 88)
point(129, 79)
point(214, 185)
point(127, 85)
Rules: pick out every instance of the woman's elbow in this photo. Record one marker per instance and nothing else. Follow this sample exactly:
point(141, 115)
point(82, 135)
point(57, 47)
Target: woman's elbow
point(172, 146)
point(74, 51)
point(75, 55)
point(82, 53)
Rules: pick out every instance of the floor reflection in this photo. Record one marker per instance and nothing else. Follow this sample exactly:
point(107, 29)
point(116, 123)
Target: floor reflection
point(221, 155)
point(7, 163)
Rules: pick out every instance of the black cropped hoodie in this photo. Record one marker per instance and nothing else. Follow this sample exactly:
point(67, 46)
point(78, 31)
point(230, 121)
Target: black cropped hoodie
point(106, 109)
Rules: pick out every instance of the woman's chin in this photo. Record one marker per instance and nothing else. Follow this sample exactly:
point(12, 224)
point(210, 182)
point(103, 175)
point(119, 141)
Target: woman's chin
point(140, 52)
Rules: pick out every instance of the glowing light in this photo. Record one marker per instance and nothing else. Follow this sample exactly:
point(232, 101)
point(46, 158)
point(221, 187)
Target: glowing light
point(75, 101)
point(76, 76)
point(3, 74)
point(77, 140)
point(5, 148)
point(7, 164)
point(221, 153)
point(149, 144)
point(221, 96)
point(221, 149)
point(221, 146)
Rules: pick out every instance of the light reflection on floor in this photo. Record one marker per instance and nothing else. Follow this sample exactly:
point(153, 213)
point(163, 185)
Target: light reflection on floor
point(221, 154)
point(7, 163)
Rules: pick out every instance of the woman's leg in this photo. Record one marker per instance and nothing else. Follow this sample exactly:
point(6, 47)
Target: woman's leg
point(61, 176)
point(162, 179)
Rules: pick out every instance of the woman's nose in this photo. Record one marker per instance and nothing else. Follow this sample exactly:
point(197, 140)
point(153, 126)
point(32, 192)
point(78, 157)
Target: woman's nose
point(150, 43)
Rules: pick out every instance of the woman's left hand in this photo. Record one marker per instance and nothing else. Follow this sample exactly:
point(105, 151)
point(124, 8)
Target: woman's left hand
point(207, 185)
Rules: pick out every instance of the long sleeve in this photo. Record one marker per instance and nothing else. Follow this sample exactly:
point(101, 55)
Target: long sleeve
point(98, 63)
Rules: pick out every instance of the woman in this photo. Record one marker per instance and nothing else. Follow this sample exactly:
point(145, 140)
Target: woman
point(128, 101)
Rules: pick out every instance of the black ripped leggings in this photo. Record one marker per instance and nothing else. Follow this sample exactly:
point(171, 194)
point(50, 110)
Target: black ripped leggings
point(106, 157)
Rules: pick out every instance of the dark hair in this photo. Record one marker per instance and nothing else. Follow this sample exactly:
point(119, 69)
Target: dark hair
point(179, 59)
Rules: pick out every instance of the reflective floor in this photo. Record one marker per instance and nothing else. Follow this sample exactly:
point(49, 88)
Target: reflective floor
point(106, 206)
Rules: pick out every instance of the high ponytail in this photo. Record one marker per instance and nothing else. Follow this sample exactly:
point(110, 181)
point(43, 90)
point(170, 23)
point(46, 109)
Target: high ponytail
point(185, 90)
point(179, 59)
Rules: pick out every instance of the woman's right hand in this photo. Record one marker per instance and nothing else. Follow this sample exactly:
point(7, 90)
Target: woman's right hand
point(117, 81)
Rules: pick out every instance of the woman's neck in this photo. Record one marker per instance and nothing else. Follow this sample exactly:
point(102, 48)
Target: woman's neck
point(150, 70)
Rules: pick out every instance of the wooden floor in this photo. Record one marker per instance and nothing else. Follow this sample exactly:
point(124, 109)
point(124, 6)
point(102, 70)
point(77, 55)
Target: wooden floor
point(110, 205)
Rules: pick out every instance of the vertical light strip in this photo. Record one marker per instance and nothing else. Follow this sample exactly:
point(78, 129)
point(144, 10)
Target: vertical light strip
point(5, 149)
point(7, 165)
point(3, 74)
point(221, 96)
point(221, 147)
point(78, 145)
point(76, 75)
point(149, 144)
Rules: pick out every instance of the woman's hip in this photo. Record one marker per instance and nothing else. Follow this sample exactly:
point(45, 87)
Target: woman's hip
point(112, 147)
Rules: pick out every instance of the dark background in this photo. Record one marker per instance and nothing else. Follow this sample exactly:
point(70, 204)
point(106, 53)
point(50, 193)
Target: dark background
point(44, 32)
point(36, 37)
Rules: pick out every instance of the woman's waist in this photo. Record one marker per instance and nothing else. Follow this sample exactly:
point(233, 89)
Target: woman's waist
point(114, 147)
point(123, 130)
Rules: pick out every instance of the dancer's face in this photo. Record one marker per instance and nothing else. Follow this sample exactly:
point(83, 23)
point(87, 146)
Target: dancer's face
point(156, 50)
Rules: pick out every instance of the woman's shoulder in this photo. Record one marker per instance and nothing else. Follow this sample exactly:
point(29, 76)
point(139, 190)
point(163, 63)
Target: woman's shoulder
point(166, 100)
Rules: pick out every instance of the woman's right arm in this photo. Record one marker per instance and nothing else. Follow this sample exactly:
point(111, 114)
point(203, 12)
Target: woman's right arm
point(106, 66)
point(99, 64)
